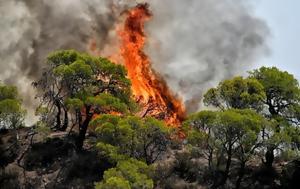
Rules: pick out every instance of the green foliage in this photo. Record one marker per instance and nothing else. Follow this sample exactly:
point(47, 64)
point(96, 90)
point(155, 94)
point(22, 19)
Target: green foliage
point(10, 106)
point(42, 128)
point(112, 153)
point(122, 138)
point(282, 105)
point(76, 86)
point(94, 74)
point(144, 139)
point(83, 74)
point(198, 127)
point(113, 182)
point(74, 80)
point(231, 131)
point(74, 103)
point(277, 82)
point(11, 113)
point(237, 93)
point(106, 103)
point(274, 94)
point(281, 88)
point(289, 155)
point(129, 173)
point(8, 92)
point(131, 143)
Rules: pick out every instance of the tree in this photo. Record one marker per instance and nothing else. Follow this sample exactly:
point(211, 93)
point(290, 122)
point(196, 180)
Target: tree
point(11, 112)
point(198, 127)
point(249, 140)
point(282, 104)
point(233, 132)
point(281, 89)
point(145, 139)
point(82, 86)
point(236, 93)
point(128, 174)
point(269, 91)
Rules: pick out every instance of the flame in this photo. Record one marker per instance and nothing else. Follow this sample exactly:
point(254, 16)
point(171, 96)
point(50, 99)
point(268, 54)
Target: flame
point(148, 87)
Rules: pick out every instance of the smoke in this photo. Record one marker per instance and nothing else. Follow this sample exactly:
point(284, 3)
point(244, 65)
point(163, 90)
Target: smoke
point(193, 44)
point(31, 29)
point(198, 43)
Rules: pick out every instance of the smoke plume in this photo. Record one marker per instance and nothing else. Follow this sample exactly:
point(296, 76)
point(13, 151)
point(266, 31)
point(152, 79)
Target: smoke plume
point(193, 44)
point(198, 43)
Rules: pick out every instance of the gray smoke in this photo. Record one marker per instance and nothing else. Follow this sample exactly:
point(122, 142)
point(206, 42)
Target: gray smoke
point(198, 43)
point(193, 44)
point(31, 29)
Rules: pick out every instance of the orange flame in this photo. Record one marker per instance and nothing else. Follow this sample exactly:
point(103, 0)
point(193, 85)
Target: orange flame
point(148, 87)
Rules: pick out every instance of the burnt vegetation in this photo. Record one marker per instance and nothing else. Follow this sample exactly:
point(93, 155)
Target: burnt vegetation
point(89, 134)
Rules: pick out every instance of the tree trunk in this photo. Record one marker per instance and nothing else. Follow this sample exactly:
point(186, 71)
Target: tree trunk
point(241, 175)
point(223, 180)
point(228, 163)
point(210, 159)
point(58, 121)
point(269, 156)
point(220, 158)
point(83, 128)
point(66, 121)
point(146, 156)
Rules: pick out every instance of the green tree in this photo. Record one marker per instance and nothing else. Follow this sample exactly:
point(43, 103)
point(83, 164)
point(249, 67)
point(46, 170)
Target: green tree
point(249, 139)
point(239, 93)
point(128, 174)
point(199, 127)
point(145, 139)
point(11, 112)
point(281, 89)
point(80, 85)
point(282, 105)
point(113, 182)
point(233, 132)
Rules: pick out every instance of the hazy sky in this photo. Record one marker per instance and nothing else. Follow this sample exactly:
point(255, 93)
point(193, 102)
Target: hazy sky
point(283, 18)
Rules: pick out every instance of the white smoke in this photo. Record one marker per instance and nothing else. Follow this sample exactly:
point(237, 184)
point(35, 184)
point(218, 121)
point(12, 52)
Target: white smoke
point(193, 43)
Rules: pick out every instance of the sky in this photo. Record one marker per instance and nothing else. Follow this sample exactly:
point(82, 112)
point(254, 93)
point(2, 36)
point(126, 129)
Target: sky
point(283, 18)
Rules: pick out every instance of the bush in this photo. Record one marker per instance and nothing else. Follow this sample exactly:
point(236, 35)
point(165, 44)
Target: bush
point(289, 155)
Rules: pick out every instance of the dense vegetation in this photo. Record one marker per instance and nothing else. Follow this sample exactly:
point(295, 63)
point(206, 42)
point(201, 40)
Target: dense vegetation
point(248, 136)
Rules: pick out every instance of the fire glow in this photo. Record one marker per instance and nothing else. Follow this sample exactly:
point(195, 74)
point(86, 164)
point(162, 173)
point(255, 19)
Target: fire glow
point(148, 87)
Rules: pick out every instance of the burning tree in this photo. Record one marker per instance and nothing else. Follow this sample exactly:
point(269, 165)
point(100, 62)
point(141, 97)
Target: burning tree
point(78, 85)
point(148, 87)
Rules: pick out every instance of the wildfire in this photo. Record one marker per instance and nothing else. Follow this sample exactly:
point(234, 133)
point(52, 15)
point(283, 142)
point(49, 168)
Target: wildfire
point(148, 88)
